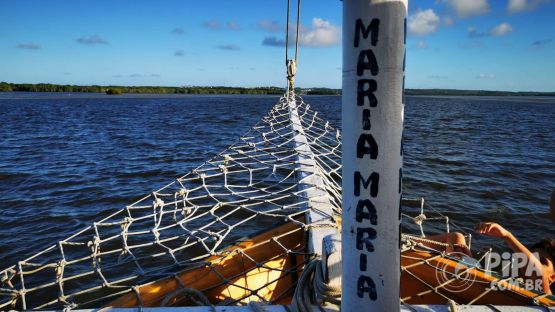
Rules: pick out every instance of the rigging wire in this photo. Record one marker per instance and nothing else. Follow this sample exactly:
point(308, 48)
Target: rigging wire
point(287, 32)
point(297, 36)
point(291, 65)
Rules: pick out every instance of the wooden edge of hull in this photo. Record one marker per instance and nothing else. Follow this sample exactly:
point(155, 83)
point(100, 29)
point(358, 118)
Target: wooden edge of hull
point(230, 268)
point(421, 283)
point(228, 276)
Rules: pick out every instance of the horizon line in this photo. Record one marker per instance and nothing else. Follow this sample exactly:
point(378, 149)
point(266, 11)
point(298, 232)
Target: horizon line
point(258, 87)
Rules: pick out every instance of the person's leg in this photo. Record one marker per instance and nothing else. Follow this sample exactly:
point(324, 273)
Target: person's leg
point(455, 240)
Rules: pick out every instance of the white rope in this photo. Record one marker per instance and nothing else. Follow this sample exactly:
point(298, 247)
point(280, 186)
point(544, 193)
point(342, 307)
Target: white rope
point(252, 184)
point(291, 65)
point(312, 288)
point(439, 250)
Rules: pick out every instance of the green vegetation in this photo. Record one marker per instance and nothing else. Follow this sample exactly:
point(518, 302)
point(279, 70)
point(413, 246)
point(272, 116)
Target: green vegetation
point(4, 87)
point(47, 87)
point(454, 92)
point(113, 91)
point(323, 91)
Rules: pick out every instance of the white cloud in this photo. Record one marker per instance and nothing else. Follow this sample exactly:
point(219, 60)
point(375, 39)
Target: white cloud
point(215, 24)
point(233, 26)
point(468, 8)
point(321, 34)
point(421, 44)
point(501, 30)
point(485, 76)
point(94, 39)
point(540, 43)
point(438, 77)
point(448, 21)
point(28, 46)
point(212, 24)
point(178, 31)
point(496, 31)
point(423, 22)
point(229, 47)
point(474, 33)
point(515, 6)
point(270, 26)
point(272, 41)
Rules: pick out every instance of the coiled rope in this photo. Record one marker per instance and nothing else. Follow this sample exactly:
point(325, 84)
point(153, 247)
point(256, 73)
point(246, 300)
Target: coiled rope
point(312, 288)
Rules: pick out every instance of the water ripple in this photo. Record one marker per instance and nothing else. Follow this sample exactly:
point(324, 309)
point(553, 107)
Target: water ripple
point(65, 161)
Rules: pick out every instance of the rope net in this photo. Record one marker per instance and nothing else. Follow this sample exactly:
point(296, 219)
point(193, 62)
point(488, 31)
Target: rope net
point(254, 184)
point(436, 272)
point(187, 235)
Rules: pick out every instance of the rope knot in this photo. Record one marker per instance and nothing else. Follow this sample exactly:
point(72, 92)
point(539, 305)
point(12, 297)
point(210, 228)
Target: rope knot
point(156, 235)
point(419, 219)
point(60, 268)
point(158, 203)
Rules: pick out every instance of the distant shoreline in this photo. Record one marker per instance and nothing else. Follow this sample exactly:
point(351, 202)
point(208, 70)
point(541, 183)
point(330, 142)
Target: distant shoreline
point(454, 92)
point(116, 90)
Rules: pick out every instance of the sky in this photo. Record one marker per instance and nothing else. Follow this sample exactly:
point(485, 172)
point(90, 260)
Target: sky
point(457, 44)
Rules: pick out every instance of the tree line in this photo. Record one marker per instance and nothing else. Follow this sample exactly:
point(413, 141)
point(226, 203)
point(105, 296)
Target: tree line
point(114, 90)
point(455, 92)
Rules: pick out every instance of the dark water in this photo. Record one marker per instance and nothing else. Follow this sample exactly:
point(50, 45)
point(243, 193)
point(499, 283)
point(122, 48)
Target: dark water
point(67, 160)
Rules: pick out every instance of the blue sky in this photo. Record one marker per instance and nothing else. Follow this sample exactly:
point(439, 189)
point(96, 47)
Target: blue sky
point(463, 44)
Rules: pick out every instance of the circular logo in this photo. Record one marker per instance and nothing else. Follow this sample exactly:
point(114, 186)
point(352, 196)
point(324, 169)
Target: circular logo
point(456, 277)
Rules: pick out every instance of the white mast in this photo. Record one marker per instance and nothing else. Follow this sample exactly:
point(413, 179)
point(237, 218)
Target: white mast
point(374, 37)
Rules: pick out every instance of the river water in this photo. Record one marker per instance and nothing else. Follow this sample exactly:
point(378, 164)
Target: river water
point(69, 159)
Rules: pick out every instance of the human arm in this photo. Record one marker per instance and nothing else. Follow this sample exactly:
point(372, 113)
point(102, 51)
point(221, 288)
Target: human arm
point(495, 230)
